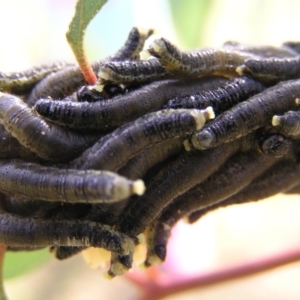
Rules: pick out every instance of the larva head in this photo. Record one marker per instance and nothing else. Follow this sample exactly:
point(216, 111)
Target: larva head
point(203, 139)
point(166, 52)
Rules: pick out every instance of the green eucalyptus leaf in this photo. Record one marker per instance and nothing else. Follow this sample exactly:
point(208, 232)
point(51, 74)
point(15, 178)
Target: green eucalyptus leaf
point(20, 262)
point(85, 11)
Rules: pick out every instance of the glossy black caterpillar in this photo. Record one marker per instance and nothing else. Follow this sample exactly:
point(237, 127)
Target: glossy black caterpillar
point(149, 121)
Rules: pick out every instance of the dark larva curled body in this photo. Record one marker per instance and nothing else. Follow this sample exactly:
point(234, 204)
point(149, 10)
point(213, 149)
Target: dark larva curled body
point(61, 84)
point(32, 232)
point(175, 179)
point(58, 85)
point(23, 82)
point(197, 63)
point(133, 45)
point(11, 148)
point(288, 124)
point(121, 109)
point(140, 164)
point(281, 177)
point(32, 181)
point(115, 149)
point(249, 115)
point(271, 69)
point(222, 97)
point(262, 51)
point(139, 71)
point(222, 184)
point(45, 139)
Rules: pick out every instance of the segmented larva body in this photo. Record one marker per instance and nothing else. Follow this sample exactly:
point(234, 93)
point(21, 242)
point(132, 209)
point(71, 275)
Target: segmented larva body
point(47, 140)
point(121, 109)
point(32, 232)
point(220, 185)
point(23, 82)
point(247, 116)
point(139, 71)
point(140, 164)
point(64, 83)
point(283, 177)
point(197, 63)
point(271, 69)
point(11, 148)
point(133, 45)
point(221, 98)
point(115, 149)
point(288, 124)
point(32, 181)
point(263, 51)
point(175, 179)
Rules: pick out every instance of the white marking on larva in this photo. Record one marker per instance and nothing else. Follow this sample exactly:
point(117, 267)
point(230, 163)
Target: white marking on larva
point(104, 74)
point(145, 55)
point(141, 238)
point(98, 87)
point(187, 145)
point(192, 98)
point(201, 116)
point(43, 132)
point(276, 120)
point(240, 70)
point(154, 260)
point(297, 101)
point(139, 187)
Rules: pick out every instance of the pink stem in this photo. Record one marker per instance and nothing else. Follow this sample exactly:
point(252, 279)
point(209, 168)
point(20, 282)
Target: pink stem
point(156, 291)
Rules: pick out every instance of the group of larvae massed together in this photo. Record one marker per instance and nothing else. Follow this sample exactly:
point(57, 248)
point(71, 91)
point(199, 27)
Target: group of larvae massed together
point(97, 166)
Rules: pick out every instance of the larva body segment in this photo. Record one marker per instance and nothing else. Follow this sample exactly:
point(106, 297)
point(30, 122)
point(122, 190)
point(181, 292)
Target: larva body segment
point(23, 82)
point(133, 45)
point(222, 97)
point(220, 185)
point(45, 139)
point(197, 63)
point(181, 175)
point(263, 51)
point(32, 181)
point(139, 71)
point(115, 112)
point(271, 69)
point(65, 82)
point(115, 149)
point(288, 124)
point(19, 232)
point(140, 164)
point(57, 85)
point(178, 177)
point(247, 116)
point(280, 178)
point(11, 148)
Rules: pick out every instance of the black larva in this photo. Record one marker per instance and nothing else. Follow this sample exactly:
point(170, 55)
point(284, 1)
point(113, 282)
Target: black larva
point(121, 109)
point(222, 98)
point(45, 139)
point(115, 149)
point(256, 111)
point(197, 63)
point(32, 181)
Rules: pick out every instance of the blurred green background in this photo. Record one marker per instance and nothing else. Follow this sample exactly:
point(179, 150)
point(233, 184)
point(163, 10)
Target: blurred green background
point(33, 32)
